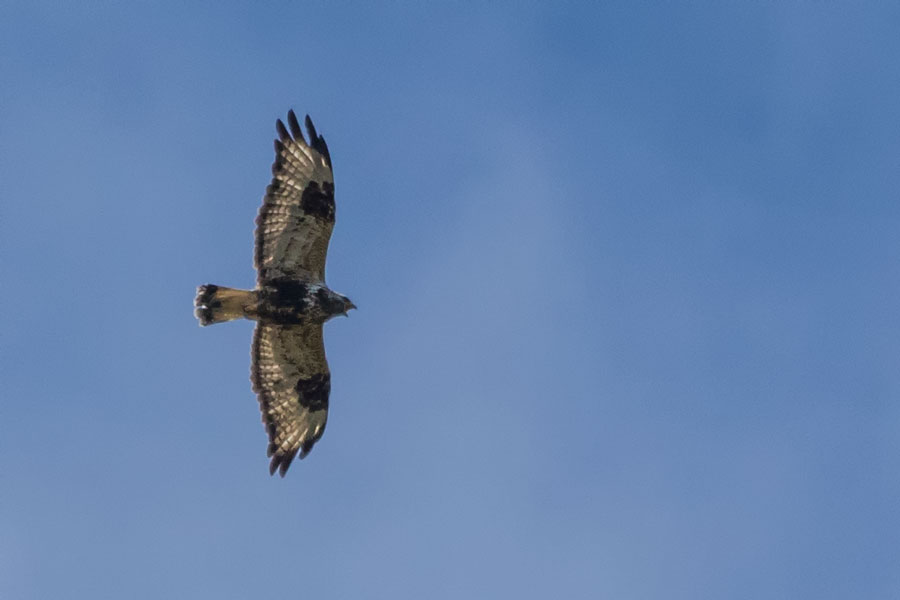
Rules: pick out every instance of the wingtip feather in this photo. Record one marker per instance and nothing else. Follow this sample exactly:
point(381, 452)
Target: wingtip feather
point(283, 134)
point(286, 461)
point(281, 462)
point(295, 126)
point(313, 135)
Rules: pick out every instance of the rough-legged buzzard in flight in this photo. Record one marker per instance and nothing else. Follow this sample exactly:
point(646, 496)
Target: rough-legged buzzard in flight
point(291, 301)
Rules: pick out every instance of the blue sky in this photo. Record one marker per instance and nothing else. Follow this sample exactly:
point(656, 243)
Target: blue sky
point(628, 290)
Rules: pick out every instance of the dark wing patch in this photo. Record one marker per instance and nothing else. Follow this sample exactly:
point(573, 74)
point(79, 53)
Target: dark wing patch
point(297, 216)
point(290, 376)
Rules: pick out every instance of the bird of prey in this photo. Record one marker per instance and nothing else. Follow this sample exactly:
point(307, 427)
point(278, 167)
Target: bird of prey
point(291, 302)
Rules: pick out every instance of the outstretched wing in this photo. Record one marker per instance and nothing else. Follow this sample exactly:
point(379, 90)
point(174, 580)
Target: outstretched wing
point(290, 375)
point(297, 215)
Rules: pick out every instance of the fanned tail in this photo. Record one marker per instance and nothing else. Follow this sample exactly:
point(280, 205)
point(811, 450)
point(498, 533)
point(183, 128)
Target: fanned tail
point(216, 304)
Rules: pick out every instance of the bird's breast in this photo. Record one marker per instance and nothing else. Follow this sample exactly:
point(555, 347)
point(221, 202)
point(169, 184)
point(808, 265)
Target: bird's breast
point(290, 302)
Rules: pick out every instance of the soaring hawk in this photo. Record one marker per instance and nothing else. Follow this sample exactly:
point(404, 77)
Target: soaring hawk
point(291, 302)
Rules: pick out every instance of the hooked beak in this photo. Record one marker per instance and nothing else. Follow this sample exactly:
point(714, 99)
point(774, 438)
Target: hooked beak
point(350, 306)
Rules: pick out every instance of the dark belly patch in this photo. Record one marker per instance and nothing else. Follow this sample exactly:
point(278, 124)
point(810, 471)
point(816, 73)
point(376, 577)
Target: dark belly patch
point(286, 301)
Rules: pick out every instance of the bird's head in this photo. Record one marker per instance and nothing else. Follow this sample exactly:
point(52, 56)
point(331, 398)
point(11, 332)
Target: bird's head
point(348, 305)
point(333, 303)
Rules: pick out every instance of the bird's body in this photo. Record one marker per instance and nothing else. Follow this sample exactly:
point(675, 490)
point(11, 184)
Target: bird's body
point(291, 302)
point(281, 302)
